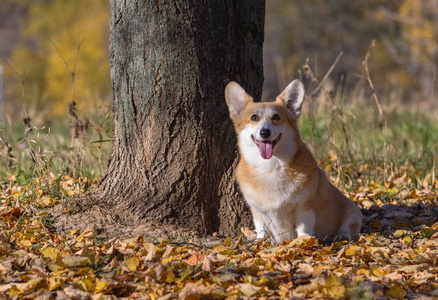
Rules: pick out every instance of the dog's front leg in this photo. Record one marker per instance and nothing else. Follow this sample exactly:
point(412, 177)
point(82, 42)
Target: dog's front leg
point(305, 222)
point(258, 223)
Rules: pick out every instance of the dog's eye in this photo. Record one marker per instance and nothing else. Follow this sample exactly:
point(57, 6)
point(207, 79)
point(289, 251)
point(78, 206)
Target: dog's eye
point(276, 117)
point(254, 118)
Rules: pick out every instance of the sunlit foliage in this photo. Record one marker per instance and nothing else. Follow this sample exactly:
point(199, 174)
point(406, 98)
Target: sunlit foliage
point(63, 47)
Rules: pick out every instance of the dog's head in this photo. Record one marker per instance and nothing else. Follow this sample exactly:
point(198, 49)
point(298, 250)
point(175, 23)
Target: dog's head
point(266, 129)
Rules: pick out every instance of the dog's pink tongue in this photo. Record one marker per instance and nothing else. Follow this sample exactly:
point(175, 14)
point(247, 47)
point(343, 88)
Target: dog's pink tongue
point(266, 150)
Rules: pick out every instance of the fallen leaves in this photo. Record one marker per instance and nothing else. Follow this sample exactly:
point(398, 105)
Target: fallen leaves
point(396, 257)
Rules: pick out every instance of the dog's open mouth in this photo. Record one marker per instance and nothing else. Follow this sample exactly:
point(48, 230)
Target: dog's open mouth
point(266, 147)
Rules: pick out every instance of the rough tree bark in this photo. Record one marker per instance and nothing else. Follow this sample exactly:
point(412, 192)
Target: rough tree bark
point(174, 148)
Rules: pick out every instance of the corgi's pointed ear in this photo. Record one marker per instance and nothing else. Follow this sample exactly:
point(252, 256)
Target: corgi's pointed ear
point(236, 98)
point(293, 97)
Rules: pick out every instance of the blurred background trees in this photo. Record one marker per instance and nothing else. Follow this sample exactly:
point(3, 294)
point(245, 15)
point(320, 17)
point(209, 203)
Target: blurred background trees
point(57, 46)
point(403, 62)
point(42, 41)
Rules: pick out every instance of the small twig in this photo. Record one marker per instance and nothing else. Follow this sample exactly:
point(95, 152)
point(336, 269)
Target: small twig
point(370, 83)
point(79, 127)
point(71, 71)
point(182, 243)
point(21, 79)
point(321, 83)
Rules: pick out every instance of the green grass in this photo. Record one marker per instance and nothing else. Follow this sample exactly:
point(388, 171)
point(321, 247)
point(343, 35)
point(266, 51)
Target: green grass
point(350, 139)
point(343, 133)
point(41, 150)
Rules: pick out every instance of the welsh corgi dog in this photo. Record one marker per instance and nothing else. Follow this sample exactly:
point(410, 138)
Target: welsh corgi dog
point(289, 195)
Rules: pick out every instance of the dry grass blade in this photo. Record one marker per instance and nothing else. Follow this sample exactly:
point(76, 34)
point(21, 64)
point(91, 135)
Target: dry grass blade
point(326, 76)
point(382, 121)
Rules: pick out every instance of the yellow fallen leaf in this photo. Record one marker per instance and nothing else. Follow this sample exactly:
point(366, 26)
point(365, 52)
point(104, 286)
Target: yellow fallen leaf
point(55, 266)
point(34, 283)
point(85, 271)
point(334, 288)
point(376, 271)
point(332, 155)
point(75, 261)
point(167, 276)
point(413, 194)
point(227, 242)
point(389, 185)
point(54, 283)
point(184, 274)
point(90, 253)
point(100, 286)
point(352, 250)
point(50, 252)
point(75, 232)
point(393, 191)
point(86, 284)
point(132, 263)
point(400, 233)
point(396, 292)
point(14, 290)
point(26, 243)
point(363, 271)
point(407, 239)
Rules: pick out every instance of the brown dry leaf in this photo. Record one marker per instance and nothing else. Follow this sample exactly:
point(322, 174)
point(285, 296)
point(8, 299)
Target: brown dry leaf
point(90, 253)
point(150, 248)
point(35, 262)
point(168, 251)
point(248, 289)
point(206, 264)
point(196, 258)
point(247, 231)
point(306, 268)
point(413, 194)
point(193, 291)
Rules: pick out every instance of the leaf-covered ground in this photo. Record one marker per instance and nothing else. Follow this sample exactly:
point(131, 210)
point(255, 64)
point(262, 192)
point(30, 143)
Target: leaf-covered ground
point(395, 258)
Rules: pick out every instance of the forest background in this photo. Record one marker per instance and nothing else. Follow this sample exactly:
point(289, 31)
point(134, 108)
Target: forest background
point(370, 118)
point(42, 41)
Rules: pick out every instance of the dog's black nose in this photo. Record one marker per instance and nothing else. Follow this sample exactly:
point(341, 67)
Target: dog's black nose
point(265, 133)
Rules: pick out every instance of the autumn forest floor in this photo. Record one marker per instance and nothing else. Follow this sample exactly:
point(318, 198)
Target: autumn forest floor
point(386, 165)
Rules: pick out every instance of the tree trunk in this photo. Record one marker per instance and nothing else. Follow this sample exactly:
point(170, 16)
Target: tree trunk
point(174, 149)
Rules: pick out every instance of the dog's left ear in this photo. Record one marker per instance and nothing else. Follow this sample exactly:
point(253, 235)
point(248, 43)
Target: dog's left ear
point(293, 97)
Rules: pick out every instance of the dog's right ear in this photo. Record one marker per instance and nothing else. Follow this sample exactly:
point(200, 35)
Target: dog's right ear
point(236, 98)
point(293, 97)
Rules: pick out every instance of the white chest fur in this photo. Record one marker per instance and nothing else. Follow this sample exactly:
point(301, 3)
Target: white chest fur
point(278, 201)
